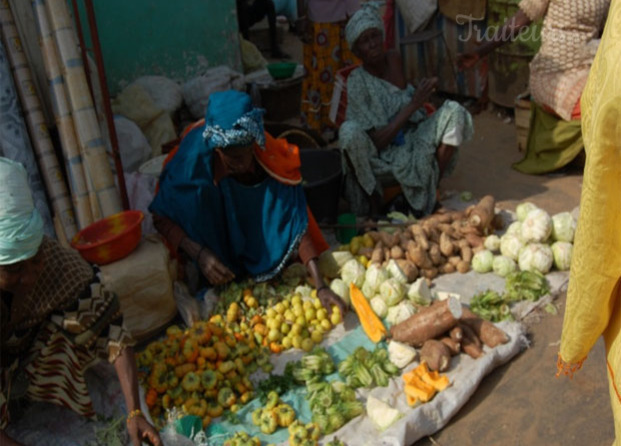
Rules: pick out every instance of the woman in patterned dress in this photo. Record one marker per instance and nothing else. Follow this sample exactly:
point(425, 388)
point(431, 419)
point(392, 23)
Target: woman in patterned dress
point(558, 73)
point(56, 319)
point(387, 134)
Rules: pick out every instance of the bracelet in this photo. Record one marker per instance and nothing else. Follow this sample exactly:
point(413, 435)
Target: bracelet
point(133, 414)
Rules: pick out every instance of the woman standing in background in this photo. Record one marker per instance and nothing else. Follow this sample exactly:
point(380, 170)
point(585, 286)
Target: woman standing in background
point(321, 24)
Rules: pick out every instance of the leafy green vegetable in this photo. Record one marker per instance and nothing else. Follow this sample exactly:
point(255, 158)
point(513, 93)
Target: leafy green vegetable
point(275, 383)
point(491, 306)
point(526, 285)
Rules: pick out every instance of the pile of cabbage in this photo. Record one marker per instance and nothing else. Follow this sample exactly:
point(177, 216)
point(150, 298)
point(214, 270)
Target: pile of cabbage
point(536, 241)
point(390, 295)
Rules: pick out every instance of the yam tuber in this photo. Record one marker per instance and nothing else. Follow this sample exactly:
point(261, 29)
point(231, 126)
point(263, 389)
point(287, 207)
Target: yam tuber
point(419, 236)
point(474, 240)
point(436, 354)
point(446, 245)
point(447, 268)
point(470, 343)
point(396, 252)
point(463, 267)
point(428, 323)
point(377, 256)
point(456, 333)
point(419, 256)
point(491, 335)
point(435, 255)
point(409, 269)
point(429, 273)
point(453, 346)
point(482, 214)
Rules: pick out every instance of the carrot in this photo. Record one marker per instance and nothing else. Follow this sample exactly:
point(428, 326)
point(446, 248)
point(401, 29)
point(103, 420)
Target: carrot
point(429, 323)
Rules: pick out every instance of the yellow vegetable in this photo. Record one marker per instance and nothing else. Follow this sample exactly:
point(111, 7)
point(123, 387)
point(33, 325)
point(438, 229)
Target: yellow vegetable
point(372, 325)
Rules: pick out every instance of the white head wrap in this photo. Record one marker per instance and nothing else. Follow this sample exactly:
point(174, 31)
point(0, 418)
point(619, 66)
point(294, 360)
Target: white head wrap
point(21, 226)
point(367, 17)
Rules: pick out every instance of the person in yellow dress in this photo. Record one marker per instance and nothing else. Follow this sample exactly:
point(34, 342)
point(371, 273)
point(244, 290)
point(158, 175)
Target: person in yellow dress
point(594, 295)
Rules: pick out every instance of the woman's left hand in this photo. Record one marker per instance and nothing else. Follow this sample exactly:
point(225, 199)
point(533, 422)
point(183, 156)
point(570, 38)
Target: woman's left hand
point(140, 430)
point(329, 298)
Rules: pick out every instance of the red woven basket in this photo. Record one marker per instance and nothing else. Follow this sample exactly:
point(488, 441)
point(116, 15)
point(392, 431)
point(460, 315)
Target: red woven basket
point(111, 238)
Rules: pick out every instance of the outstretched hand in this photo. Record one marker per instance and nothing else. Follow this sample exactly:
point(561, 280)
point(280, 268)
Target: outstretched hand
point(425, 88)
point(140, 430)
point(467, 60)
point(213, 269)
point(329, 298)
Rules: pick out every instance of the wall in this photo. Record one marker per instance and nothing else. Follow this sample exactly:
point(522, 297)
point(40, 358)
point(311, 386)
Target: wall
point(177, 39)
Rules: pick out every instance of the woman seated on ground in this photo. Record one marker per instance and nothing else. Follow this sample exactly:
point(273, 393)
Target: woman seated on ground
point(56, 318)
point(387, 133)
point(231, 198)
point(569, 40)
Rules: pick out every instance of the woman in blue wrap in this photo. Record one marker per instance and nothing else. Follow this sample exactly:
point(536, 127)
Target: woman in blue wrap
point(231, 199)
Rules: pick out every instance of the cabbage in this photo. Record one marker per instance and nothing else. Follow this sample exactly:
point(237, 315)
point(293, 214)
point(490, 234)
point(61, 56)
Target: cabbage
point(379, 307)
point(392, 291)
point(341, 289)
point(396, 272)
point(515, 228)
point(523, 209)
point(303, 290)
point(503, 265)
point(536, 257)
point(537, 226)
point(400, 354)
point(294, 274)
point(482, 261)
point(419, 293)
point(353, 272)
point(374, 277)
point(510, 246)
point(400, 312)
point(381, 414)
point(368, 290)
point(492, 242)
point(331, 262)
point(563, 227)
point(562, 255)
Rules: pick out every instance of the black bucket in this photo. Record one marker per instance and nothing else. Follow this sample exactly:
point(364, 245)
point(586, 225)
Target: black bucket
point(321, 177)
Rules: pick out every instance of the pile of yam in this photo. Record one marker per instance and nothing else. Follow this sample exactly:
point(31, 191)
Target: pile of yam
point(444, 329)
point(439, 244)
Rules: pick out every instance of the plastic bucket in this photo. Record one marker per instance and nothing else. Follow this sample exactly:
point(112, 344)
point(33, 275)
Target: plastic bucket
point(344, 235)
point(321, 178)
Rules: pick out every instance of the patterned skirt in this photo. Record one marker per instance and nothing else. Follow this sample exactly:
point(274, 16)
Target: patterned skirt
point(64, 347)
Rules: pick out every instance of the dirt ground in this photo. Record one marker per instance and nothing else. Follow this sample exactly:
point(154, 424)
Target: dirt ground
point(522, 402)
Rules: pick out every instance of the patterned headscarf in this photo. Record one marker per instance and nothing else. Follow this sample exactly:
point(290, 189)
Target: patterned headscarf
point(231, 121)
point(21, 226)
point(367, 17)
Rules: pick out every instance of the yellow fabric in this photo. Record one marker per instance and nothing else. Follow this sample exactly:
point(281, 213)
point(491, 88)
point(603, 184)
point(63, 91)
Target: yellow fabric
point(594, 295)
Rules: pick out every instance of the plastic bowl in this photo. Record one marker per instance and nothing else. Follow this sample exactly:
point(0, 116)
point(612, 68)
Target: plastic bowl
point(111, 238)
point(281, 70)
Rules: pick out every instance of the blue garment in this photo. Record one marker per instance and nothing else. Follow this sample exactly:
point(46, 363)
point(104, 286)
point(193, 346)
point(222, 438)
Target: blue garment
point(254, 230)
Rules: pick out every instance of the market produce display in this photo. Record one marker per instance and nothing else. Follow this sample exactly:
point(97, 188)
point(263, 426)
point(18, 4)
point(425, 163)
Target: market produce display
point(215, 368)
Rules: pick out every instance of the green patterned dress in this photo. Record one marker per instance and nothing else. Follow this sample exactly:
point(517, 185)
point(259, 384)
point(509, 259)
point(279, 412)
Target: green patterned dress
point(410, 159)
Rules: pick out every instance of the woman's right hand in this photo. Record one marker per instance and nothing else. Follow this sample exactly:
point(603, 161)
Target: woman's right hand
point(467, 60)
point(213, 269)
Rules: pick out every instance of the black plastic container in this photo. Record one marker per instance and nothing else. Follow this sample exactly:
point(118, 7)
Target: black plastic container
point(321, 177)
